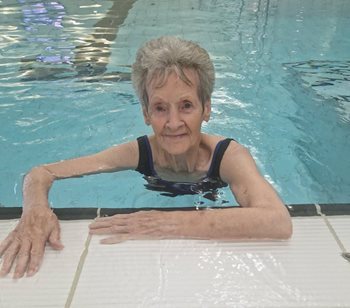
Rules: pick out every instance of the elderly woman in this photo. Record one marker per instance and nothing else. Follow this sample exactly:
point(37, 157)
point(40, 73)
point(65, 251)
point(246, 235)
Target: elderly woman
point(174, 80)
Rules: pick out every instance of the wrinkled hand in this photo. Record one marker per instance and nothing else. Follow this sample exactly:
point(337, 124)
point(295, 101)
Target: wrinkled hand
point(26, 243)
point(139, 225)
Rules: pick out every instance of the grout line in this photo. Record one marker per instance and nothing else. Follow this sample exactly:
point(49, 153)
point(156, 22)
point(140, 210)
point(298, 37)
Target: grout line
point(345, 254)
point(79, 268)
point(78, 272)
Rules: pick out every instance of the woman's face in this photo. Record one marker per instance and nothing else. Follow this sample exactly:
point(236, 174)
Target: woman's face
point(176, 113)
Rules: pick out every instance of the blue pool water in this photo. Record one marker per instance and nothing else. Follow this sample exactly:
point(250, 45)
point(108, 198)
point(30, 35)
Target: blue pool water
point(282, 90)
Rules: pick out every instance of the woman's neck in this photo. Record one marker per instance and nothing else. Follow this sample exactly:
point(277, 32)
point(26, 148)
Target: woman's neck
point(196, 159)
point(180, 163)
point(179, 168)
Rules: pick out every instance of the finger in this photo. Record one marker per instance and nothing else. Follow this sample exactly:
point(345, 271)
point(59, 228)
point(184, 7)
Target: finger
point(55, 239)
point(36, 256)
point(107, 218)
point(110, 221)
point(115, 217)
point(127, 237)
point(109, 230)
point(23, 257)
point(100, 224)
point(8, 258)
point(115, 239)
point(108, 224)
point(5, 243)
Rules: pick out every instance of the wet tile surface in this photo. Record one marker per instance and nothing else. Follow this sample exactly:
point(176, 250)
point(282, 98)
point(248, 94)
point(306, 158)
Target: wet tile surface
point(50, 286)
point(300, 272)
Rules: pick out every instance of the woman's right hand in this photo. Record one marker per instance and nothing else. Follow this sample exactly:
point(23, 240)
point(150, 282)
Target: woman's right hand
point(24, 247)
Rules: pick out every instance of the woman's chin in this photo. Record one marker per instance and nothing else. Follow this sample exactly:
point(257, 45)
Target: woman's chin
point(174, 146)
point(175, 149)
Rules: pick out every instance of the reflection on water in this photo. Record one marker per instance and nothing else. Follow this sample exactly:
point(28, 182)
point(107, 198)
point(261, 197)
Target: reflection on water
point(37, 18)
point(96, 49)
point(45, 24)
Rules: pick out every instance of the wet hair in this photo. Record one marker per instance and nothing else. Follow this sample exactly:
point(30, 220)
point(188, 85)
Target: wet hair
point(159, 57)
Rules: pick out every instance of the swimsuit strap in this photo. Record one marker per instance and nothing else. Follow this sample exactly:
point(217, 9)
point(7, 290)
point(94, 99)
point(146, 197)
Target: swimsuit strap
point(214, 170)
point(145, 165)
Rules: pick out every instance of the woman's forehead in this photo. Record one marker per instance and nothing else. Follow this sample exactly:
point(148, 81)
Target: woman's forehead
point(173, 86)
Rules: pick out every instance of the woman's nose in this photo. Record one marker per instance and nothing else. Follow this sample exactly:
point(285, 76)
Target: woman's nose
point(174, 120)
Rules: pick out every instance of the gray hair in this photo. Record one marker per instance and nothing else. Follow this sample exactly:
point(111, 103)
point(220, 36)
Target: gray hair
point(159, 57)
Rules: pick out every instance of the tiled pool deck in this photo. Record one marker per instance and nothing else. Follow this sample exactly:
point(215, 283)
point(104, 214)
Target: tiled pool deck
point(306, 271)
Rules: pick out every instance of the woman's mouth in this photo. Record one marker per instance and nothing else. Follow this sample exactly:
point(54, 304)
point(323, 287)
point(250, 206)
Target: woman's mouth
point(175, 136)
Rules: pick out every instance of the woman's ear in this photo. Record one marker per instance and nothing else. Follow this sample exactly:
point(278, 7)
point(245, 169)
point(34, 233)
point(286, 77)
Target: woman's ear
point(207, 110)
point(146, 116)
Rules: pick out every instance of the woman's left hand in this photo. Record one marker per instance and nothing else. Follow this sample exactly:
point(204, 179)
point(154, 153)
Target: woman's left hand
point(140, 225)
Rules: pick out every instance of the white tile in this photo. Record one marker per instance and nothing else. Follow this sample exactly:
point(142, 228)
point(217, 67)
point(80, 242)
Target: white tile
point(50, 286)
point(341, 225)
point(186, 273)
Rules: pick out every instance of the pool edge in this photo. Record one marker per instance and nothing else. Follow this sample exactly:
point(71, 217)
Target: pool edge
point(295, 210)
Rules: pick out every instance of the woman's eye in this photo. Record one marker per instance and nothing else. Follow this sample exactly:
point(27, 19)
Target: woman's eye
point(160, 108)
point(187, 105)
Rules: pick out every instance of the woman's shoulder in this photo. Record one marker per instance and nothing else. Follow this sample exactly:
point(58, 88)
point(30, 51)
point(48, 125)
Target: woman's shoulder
point(212, 140)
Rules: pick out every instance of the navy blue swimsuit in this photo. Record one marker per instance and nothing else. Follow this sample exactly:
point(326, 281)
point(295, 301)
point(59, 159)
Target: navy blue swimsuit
point(207, 185)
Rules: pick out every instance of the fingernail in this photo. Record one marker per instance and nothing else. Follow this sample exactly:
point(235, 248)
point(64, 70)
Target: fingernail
point(32, 272)
point(16, 275)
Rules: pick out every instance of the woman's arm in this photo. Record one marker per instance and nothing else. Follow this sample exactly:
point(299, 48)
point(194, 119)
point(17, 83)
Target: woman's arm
point(262, 214)
point(38, 224)
point(38, 181)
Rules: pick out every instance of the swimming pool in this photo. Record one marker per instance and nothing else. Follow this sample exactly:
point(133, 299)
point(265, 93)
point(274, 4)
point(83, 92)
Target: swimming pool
point(282, 90)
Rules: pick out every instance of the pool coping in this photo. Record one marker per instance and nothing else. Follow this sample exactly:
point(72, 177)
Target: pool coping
point(295, 210)
point(306, 212)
